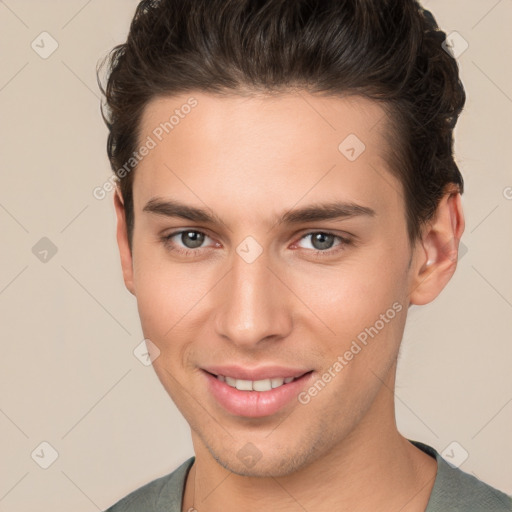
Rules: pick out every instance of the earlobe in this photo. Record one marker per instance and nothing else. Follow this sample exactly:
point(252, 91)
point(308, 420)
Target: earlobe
point(437, 252)
point(122, 242)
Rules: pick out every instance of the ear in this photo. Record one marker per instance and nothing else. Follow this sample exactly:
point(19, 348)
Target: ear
point(122, 242)
point(436, 254)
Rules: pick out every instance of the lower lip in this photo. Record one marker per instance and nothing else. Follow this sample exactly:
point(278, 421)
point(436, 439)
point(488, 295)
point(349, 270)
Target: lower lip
point(255, 404)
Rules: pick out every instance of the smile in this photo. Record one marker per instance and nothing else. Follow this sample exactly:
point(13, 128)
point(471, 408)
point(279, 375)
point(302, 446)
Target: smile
point(256, 398)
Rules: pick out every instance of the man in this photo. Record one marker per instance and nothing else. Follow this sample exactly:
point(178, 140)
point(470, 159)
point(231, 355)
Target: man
point(286, 190)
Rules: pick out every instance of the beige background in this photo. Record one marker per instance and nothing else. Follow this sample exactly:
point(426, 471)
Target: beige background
point(68, 375)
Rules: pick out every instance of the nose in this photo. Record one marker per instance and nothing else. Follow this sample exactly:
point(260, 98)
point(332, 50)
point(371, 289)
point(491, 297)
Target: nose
point(254, 306)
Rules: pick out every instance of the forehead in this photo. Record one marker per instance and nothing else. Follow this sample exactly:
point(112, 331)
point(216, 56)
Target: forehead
point(313, 118)
point(258, 149)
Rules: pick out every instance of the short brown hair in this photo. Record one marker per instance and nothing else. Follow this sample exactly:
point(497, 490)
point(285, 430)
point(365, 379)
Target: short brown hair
point(386, 50)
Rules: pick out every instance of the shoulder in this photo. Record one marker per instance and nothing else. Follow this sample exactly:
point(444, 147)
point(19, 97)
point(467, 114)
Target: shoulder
point(458, 491)
point(464, 492)
point(163, 494)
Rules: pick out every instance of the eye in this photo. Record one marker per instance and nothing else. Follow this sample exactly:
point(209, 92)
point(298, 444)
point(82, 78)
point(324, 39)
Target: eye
point(321, 242)
point(186, 241)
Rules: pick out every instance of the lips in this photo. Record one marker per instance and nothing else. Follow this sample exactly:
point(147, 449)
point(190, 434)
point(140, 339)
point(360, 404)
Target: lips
point(258, 392)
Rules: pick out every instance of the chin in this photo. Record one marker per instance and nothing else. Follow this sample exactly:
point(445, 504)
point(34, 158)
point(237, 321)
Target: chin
point(251, 462)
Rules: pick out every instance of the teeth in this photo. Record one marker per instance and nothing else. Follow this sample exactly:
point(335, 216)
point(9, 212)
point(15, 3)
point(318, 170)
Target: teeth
point(255, 385)
point(243, 385)
point(277, 382)
point(262, 385)
point(229, 381)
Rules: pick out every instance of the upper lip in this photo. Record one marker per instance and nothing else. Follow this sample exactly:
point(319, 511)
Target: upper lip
point(259, 373)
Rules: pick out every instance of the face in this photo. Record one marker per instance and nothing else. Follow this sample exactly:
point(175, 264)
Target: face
point(268, 245)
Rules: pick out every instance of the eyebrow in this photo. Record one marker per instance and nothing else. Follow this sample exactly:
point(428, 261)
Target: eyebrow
point(311, 213)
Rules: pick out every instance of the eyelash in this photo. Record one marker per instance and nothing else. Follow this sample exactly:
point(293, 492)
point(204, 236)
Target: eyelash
point(344, 242)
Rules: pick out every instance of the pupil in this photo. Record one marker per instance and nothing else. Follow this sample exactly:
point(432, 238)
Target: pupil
point(323, 240)
point(195, 237)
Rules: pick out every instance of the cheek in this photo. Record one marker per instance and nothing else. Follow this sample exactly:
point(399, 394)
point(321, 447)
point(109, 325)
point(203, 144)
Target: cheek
point(361, 286)
point(170, 296)
point(158, 292)
point(363, 300)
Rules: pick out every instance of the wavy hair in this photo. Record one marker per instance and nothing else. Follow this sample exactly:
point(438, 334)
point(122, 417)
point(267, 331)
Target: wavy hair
point(389, 51)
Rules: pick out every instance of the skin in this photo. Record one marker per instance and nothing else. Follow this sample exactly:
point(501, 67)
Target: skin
point(249, 159)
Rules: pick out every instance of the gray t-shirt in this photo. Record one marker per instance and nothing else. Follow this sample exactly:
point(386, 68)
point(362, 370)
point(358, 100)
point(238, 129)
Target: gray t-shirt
point(453, 491)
